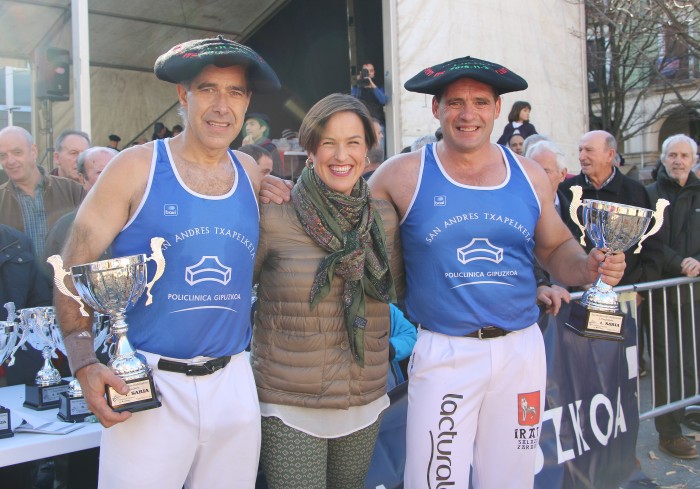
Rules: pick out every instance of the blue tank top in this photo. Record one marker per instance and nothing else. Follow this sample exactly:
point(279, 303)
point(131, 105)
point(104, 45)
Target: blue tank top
point(201, 304)
point(468, 251)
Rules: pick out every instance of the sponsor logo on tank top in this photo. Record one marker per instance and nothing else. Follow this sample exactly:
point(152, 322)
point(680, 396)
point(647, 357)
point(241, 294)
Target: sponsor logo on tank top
point(440, 463)
point(528, 408)
point(170, 210)
point(209, 268)
point(479, 249)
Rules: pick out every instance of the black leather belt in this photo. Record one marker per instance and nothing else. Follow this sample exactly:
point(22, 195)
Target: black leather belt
point(483, 333)
point(487, 332)
point(204, 368)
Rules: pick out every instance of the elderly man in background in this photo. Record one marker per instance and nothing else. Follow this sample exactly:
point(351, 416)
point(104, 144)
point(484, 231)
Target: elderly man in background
point(600, 179)
point(552, 160)
point(680, 235)
point(32, 201)
point(69, 144)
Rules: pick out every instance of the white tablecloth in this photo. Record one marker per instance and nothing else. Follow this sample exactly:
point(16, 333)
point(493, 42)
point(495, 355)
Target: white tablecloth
point(24, 447)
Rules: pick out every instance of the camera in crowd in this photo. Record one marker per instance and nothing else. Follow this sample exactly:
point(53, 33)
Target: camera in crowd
point(364, 80)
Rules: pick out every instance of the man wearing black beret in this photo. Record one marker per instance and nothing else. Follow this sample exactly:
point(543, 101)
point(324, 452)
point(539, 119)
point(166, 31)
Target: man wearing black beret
point(114, 141)
point(473, 215)
point(200, 197)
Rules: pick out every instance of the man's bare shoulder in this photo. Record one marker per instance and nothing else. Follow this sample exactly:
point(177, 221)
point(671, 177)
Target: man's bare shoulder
point(534, 171)
point(251, 168)
point(403, 166)
point(395, 180)
point(137, 158)
point(125, 177)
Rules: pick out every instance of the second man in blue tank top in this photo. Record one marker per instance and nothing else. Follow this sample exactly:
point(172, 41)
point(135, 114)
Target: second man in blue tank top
point(473, 215)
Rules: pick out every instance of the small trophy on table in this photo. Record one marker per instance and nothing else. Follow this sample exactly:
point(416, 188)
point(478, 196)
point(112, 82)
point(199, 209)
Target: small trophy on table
point(615, 228)
point(112, 287)
point(10, 341)
point(40, 328)
point(73, 408)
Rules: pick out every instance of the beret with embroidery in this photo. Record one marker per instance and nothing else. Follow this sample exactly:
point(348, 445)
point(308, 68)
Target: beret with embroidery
point(185, 61)
point(433, 80)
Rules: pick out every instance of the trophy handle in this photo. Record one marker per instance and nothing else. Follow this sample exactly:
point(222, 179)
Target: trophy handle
point(157, 256)
point(59, 280)
point(20, 342)
point(576, 193)
point(11, 311)
point(658, 217)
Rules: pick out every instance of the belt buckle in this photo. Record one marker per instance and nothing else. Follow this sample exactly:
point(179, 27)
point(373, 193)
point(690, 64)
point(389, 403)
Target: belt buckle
point(192, 368)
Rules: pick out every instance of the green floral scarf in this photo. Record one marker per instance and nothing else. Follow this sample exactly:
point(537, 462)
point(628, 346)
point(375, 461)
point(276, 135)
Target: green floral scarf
point(352, 232)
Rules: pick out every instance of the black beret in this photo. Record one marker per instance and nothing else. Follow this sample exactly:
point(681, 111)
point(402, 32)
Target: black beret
point(114, 137)
point(185, 61)
point(434, 79)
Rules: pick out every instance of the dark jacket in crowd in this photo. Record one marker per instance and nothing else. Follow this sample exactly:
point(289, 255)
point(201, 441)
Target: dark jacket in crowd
point(21, 281)
point(680, 232)
point(642, 267)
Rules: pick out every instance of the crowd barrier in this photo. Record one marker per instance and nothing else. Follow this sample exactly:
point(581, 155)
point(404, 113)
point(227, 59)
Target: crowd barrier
point(676, 297)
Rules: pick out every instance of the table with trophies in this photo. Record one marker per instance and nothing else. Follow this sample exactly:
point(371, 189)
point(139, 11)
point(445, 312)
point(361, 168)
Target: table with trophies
point(23, 447)
point(51, 401)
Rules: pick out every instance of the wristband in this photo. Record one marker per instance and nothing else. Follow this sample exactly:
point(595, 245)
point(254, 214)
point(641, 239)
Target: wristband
point(80, 348)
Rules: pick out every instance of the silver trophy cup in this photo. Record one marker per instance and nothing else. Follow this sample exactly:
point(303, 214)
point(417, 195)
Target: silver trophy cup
point(614, 228)
point(11, 337)
point(10, 341)
point(41, 331)
point(112, 287)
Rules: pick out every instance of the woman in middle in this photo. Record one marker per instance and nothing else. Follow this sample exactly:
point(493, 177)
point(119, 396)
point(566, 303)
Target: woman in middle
point(328, 265)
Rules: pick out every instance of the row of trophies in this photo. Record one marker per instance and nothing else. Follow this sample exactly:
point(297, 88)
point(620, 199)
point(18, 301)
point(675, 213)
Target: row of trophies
point(111, 287)
point(37, 327)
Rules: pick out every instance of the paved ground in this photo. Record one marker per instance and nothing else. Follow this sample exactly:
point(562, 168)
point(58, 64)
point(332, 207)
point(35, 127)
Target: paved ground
point(666, 471)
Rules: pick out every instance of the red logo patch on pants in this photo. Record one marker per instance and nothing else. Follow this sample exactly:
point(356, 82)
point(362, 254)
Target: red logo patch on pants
point(529, 408)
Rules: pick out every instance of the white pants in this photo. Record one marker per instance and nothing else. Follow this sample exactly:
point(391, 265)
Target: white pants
point(475, 402)
point(206, 435)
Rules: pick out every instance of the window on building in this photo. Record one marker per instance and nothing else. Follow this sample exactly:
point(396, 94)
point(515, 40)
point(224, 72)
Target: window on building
point(15, 97)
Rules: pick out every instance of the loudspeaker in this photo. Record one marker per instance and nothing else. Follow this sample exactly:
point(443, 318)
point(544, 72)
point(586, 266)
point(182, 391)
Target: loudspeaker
point(52, 74)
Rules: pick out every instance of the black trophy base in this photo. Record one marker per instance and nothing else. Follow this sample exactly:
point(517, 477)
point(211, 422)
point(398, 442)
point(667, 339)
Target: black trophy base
point(596, 324)
point(5, 424)
point(142, 396)
point(41, 398)
point(72, 409)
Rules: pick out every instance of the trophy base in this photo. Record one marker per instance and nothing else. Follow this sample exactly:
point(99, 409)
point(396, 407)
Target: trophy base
point(142, 396)
point(595, 324)
point(41, 398)
point(72, 409)
point(5, 424)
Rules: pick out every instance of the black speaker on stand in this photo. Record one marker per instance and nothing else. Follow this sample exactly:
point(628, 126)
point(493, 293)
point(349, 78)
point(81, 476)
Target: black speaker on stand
point(52, 67)
point(52, 74)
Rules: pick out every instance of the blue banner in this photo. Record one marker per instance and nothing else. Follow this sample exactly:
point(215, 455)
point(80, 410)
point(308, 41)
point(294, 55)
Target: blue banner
point(591, 419)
